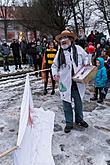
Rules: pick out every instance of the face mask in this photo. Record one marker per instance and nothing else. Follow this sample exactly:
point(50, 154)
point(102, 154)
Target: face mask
point(65, 43)
point(65, 46)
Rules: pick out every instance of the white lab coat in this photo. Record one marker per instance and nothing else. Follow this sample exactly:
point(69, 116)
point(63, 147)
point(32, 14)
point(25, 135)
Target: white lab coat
point(65, 72)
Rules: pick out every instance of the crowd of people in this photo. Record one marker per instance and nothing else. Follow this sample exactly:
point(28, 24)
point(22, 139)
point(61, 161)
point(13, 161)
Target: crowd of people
point(23, 52)
point(98, 48)
point(62, 58)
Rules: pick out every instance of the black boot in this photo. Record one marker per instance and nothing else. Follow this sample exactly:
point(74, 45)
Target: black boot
point(16, 68)
point(68, 129)
point(53, 92)
point(82, 123)
point(45, 91)
point(100, 101)
point(45, 87)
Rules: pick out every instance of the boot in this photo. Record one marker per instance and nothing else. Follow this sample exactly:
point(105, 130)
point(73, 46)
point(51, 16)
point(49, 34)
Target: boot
point(16, 68)
point(82, 123)
point(100, 101)
point(68, 129)
point(45, 91)
point(53, 92)
point(45, 88)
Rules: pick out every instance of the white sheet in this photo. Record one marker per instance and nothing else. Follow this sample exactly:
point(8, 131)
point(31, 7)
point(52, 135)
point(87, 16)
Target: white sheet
point(35, 148)
point(34, 139)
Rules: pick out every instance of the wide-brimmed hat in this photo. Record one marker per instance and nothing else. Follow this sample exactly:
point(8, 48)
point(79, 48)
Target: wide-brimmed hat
point(66, 33)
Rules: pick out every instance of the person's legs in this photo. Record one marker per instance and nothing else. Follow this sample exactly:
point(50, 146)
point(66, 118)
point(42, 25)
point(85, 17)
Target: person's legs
point(4, 63)
point(19, 61)
point(68, 112)
point(46, 82)
point(31, 60)
point(78, 108)
point(7, 64)
point(23, 58)
point(15, 61)
point(101, 95)
point(53, 83)
point(106, 88)
point(40, 65)
point(95, 97)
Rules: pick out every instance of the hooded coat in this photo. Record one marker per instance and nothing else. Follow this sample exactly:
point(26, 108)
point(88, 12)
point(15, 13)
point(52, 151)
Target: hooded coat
point(101, 76)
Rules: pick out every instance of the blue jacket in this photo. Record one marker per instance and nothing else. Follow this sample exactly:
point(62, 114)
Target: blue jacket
point(101, 76)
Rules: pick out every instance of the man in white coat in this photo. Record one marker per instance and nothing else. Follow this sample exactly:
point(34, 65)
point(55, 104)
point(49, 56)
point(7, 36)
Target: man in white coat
point(69, 59)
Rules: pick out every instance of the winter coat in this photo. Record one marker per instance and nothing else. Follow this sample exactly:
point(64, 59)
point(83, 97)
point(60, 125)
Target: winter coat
point(5, 50)
point(65, 72)
point(101, 76)
point(39, 50)
point(15, 48)
point(31, 48)
point(23, 46)
point(91, 38)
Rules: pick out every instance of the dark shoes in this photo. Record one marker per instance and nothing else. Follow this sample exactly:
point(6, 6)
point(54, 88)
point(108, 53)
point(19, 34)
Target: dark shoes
point(100, 101)
point(68, 129)
point(45, 92)
point(53, 92)
point(82, 123)
point(93, 98)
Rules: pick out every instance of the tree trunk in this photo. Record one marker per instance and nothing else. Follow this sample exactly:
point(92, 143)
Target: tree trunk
point(5, 29)
point(108, 25)
point(105, 17)
point(75, 20)
point(83, 16)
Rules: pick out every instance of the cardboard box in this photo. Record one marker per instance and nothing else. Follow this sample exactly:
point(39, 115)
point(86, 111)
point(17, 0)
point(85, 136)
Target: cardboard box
point(85, 74)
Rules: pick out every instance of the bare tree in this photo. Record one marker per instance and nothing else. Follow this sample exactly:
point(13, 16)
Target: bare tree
point(50, 16)
point(53, 15)
point(103, 6)
point(85, 10)
point(73, 4)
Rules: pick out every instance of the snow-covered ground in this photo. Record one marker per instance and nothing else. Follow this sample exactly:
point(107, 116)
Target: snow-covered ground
point(12, 69)
point(89, 146)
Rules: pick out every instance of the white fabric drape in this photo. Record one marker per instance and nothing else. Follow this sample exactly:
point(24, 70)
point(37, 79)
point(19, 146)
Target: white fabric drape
point(34, 140)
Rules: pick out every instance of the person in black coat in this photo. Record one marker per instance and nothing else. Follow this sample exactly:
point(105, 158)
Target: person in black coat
point(16, 53)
